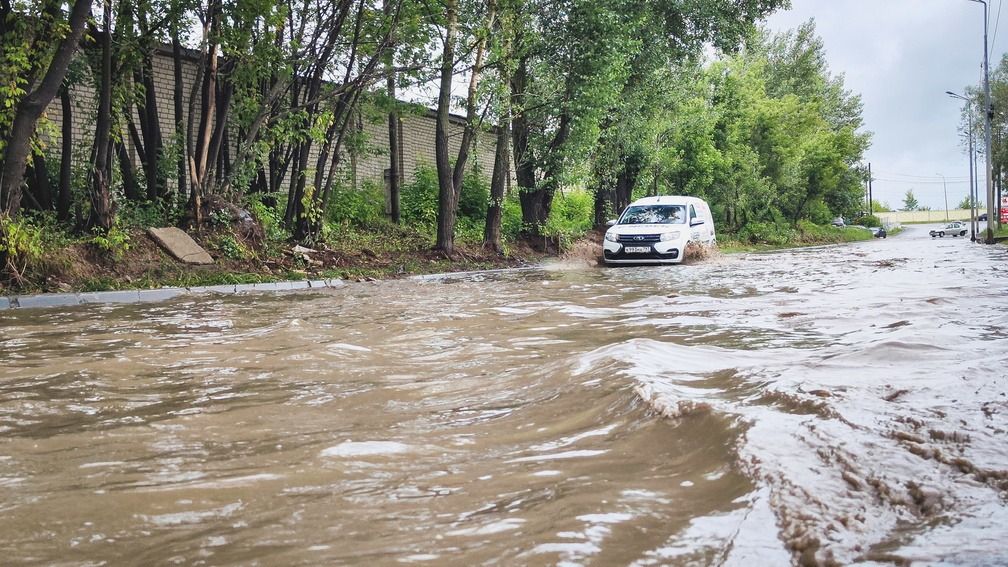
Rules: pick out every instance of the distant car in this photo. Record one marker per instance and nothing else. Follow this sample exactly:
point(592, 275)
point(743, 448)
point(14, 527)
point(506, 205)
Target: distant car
point(982, 217)
point(878, 231)
point(953, 228)
point(838, 222)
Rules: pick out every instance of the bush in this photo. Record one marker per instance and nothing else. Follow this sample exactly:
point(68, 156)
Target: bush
point(767, 233)
point(145, 214)
point(512, 223)
point(474, 198)
point(270, 220)
point(20, 246)
point(115, 242)
point(418, 204)
point(418, 200)
point(868, 220)
point(233, 248)
point(571, 216)
point(362, 207)
point(819, 213)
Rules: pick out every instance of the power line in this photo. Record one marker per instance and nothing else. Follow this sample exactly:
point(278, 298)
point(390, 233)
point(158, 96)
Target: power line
point(930, 177)
point(907, 182)
point(996, 22)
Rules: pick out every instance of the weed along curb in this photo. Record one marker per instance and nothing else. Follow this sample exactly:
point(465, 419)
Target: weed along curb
point(50, 300)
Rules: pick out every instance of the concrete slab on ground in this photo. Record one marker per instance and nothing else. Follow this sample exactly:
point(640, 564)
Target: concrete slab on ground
point(180, 245)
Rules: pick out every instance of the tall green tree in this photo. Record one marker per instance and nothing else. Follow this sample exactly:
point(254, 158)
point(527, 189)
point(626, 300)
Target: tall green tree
point(910, 201)
point(39, 41)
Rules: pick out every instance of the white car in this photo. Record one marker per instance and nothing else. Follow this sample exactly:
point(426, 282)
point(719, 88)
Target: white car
point(656, 230)
point(953, 229)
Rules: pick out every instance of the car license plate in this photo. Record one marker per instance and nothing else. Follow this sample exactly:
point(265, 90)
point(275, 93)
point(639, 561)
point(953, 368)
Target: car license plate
point(638, 249)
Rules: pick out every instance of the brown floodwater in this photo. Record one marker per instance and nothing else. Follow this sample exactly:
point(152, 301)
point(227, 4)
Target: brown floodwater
point(837, 404)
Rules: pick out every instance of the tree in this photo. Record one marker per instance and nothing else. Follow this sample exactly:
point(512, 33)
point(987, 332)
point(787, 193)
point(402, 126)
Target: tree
point(968, 202)
point(910, 202)
point(55, 42)
point(879, 207)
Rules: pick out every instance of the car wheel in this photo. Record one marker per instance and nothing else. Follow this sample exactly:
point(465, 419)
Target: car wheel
point(963, 233)
point(941, 235)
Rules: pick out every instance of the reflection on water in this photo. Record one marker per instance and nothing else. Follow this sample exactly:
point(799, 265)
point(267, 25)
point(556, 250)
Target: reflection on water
point(832, 404)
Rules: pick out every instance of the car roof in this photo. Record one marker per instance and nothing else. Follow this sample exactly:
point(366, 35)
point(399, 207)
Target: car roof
point(666, 200)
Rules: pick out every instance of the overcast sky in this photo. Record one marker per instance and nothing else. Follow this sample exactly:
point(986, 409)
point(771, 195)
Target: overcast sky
point(901, 56)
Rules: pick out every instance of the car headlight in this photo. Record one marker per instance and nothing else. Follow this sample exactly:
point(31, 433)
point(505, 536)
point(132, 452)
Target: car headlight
point(611, 237)
point(670, 236)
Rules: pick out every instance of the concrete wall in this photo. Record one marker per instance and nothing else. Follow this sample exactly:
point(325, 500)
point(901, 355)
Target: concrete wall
point(902, 217)
point(369, 165)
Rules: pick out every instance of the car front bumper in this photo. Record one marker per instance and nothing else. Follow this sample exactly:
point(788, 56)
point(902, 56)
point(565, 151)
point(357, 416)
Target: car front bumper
point(669, 252)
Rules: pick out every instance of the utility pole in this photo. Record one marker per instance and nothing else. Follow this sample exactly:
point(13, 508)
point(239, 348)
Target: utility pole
point(870, 211)
point(973, 188)
point(945, 189)
point(988, 115)
point(972, 164)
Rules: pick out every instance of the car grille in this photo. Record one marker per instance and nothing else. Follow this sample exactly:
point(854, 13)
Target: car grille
point(638, 238)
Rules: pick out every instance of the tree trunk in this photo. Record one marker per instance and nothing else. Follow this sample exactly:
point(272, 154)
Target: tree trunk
point(39, 187)
point(130, 187)
point(498, 185)
point(469, 130)
point(66, 157)
point(31, 107)
point(101, 215)
point(150, 126)
point(180, 139)
point(446, 189)
point(521, 129)
point(393, 126)
point(198, 157)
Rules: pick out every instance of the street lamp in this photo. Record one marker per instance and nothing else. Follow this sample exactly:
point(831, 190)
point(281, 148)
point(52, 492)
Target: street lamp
point(944, 188)
point(972, 157)
point(991, 218)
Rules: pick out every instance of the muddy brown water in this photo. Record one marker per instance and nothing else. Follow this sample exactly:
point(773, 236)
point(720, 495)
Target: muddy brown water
point(841, 404)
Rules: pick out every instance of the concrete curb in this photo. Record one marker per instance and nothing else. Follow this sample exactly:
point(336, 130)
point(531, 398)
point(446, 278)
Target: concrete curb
point(50, 300)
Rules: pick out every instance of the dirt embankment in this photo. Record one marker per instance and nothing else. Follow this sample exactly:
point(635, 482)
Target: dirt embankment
point(248, 258)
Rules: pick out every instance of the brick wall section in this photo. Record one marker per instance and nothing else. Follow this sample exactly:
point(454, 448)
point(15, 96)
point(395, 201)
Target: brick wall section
point(369, 166)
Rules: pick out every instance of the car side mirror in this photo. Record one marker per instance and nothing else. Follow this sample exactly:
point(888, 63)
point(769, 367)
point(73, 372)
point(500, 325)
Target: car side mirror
point(611, 222)
point(696, 222)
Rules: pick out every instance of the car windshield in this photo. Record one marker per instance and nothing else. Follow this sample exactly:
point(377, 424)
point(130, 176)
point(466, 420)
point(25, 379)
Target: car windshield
point(654, 214)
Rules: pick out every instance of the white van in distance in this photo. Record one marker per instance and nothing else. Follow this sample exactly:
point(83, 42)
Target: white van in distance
point(656, 230)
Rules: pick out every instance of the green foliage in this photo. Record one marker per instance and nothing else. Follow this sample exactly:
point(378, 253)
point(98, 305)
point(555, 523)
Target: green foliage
point(114, 242)
point(418, 199)
point(810, 233)
point(220, 217)
point(879, 207)
point(910, 201)
point(233, 248)
point(146, 214)
point(363, 207)
point(819, 213)
point(967, 203)
point(512, 224)
point(21, 244)
point(767, 233)
point(572, 215)
point(474, 197)
point(270, 219)
point(868, 220)
point(418, 204)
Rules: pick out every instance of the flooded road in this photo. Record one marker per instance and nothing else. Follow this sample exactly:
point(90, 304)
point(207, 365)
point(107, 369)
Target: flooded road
point(841, 404)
